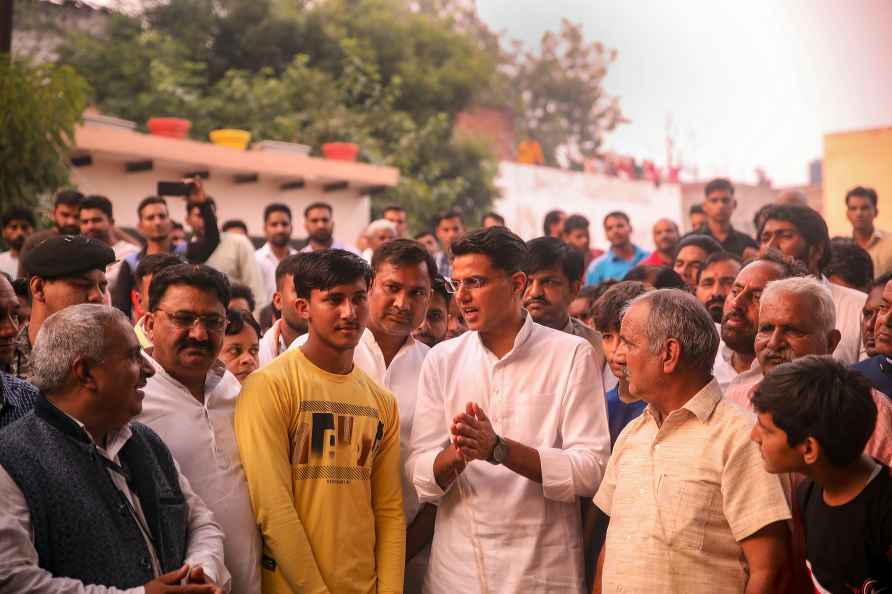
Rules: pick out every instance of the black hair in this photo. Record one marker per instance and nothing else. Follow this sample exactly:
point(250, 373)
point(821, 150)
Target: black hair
point(394, 208)
point(234, 224)
point(545, 252)
point(238, 290)
point(276, 207)
point(551, 218)
point(574, 222)
point(696, 209)
point(616, 214)
point(506, 250)
point(238, 319)
point(153, 263)
point(68, 198)
point(494, 215)
point(449, 214)
point(18, 213)
point(192, 205)
point(404, 251)
point(199, 276)
point(96, 202)
point(817, 396)
point(862, 192)
point(704, 242)
point(329, 268)
point(292, 265)
point(22, 288)
point(607, 310)
point(424, 233)
point(719, 184)
point(594, 292)
point(808, 222)
point(316, 205)
point(148, 201)
point(721, 256)
point(881, 280)
point(791, 266)
point(177, 225)
point(439, 287)
point(851, 262)
point(660, 277)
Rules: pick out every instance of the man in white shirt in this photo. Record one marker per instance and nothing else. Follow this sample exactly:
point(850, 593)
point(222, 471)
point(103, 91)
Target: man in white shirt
point(319, 224)
point(508, 432)
point(17, 224)
point(190, 403)
point(233, 256)
point(290, 325)
point(277, 229)
point(96, 220)
point(92, 503)
point(800, 232)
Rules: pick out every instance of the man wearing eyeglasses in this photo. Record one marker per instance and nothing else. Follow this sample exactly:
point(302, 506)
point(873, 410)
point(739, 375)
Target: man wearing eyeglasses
point(506, 434)
point(62, 270)
point(190, 403)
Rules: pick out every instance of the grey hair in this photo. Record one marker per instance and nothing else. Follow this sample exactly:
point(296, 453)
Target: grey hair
point(805, 285)
point(380, 225)
point(678, 314)
point(76, 332)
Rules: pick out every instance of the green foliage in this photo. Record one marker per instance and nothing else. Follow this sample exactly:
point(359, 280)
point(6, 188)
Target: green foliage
point(41, 105)
point(558, 92)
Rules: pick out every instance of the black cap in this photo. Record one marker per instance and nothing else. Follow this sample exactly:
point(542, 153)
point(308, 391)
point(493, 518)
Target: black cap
point(67, 255)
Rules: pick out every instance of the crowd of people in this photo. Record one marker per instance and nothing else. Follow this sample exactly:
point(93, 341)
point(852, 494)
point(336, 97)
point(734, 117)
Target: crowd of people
point(455, 411)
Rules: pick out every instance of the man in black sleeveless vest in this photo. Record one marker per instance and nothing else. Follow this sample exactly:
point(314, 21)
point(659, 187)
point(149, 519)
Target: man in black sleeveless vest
point(93, 503)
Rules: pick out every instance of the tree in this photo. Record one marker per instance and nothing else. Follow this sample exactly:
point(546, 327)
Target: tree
point(559, 95)
point(41, 105)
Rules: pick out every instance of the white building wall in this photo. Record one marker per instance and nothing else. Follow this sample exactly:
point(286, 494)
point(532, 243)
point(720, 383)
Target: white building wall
point(529, 192)
point(234, 201)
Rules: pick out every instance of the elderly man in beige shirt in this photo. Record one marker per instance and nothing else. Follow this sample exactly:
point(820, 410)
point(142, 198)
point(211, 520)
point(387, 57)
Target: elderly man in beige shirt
point(691, 507)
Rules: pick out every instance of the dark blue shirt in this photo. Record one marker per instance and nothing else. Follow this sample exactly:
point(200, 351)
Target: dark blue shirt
point(878, 370)
point(17, 398)
point(619, 413)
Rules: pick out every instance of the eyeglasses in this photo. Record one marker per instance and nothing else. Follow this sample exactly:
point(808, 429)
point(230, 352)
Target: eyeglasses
point(471, 283)
point(186, 320)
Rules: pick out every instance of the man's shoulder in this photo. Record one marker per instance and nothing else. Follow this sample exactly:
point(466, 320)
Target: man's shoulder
point(450, 348)
point(870, 363)
point(844, 296)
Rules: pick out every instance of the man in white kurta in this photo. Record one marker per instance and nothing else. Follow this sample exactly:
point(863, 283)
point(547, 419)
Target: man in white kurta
point(190, 404)
point(513, 524)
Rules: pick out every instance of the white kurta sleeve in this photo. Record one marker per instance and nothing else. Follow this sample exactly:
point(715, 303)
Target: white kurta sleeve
point(205, 545)
point(430, 433)
point(576, 468)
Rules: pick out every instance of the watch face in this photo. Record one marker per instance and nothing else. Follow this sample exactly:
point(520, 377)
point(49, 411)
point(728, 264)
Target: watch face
point(500, 452)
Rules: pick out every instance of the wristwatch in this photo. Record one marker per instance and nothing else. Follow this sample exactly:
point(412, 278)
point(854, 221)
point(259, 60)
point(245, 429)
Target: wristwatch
point(499, 453)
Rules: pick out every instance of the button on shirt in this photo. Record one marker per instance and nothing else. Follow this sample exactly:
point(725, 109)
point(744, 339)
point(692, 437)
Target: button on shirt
point(546, 393)
point(18, 557)
point(201, 438)
point(267, 261)
point(612, 267)
point(681, 496)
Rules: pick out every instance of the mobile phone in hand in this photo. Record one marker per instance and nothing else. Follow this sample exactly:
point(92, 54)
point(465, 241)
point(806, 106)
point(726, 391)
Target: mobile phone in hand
point(174, 188)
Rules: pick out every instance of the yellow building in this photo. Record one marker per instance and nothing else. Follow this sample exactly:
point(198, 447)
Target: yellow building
point(857, 158)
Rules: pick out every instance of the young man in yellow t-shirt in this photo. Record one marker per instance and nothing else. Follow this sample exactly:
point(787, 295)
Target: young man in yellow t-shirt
point(319, 443)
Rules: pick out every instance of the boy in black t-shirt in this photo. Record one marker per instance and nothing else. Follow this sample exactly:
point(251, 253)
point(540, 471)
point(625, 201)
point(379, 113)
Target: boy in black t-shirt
point(815, 417)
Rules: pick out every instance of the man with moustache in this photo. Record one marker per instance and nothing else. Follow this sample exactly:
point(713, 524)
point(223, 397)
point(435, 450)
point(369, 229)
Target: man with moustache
point(622, 256)
point(869, 316)
point(190, 403)
point(740, 317)
point(432, 330)
point(17, 397)
point(18, 224)
point(65, 222)
point(665, 233)
point(554, 277)
point(94, 503)
point(800, 232)
point(715, 281)
point(878, 327)
point(509, 431)
point(319, 225)
point(691, 255)
point(277, 229)
point(63, 270)
point(319, 441)
point(290, 326)
point(796, 318)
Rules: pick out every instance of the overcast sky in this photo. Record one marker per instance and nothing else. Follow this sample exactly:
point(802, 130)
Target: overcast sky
point(747, 83)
